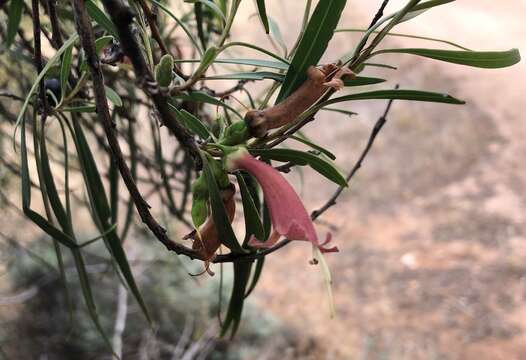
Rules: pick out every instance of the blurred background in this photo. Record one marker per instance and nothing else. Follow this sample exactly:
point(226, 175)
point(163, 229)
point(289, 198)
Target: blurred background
point(431, 231)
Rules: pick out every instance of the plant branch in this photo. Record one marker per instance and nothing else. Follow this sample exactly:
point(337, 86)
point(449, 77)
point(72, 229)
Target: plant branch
point(122, 17)
point(331, 202)
point(55, 26)
point(85, 32)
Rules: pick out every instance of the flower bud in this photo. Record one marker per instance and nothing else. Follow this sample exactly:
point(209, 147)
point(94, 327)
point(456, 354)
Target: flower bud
point(199, 201)
point(163, 71)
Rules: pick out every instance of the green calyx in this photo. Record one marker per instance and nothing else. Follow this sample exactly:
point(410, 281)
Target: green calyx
point(235, 134)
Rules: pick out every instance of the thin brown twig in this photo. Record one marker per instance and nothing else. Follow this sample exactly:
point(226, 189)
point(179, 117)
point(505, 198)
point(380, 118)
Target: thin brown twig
point(55, 26)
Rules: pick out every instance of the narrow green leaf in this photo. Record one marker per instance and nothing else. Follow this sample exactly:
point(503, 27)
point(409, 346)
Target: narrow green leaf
point(408, 36)
point(222, 223)
point(253, 225)
point(255, 277)
point(99, 201)
point(102, 42)
point(277, 36)
point(202, 97)
point(279, 65)
point(237, 299)
point(385, 66)
point(100, 17)
point(341, 111)
point(113, 96)
point(211, 5)
point(52, 193)
point(256, 75)
point(80, 109)
point(480, 59)
point(40, 76)
point(257, 48)
point(430, 4)
point(114, 178)
point(193, 123)
point(314, 146)
point(97, 238)
point(414, 95)
point(362, 80)
point(65, 68)
point(312, 46)
point(25, 182)
point(88, 296)
point(262, 11)
point(13, 20)
point(207, 59)
point(203, 37)
point(302, 158)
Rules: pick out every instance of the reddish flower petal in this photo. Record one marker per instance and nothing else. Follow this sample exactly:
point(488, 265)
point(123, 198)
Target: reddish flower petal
point(287, 213)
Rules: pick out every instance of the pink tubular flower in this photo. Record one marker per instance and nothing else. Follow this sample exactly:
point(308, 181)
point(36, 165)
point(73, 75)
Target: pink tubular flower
point(287, 213)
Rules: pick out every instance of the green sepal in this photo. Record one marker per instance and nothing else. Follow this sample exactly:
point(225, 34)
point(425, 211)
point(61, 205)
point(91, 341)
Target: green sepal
point(235, 134)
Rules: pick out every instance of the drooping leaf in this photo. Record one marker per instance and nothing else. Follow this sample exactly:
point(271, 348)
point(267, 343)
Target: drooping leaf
point(255, 276)
point(113, 96)
point(237, 298)
point(253, 225)
point(414, 95)
point(40, 76)
point(257, 48)
point(100, 17)
point(25, 182)
point(13, 20)
point(302, 158)
point(480, 59)
point(262, 11)
point(102, 212)
point(221, 221)
point(250, 62)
